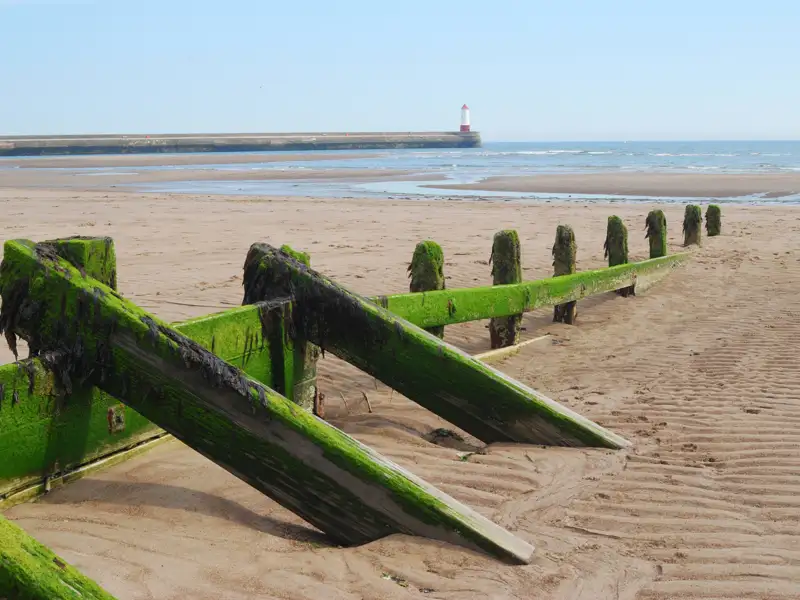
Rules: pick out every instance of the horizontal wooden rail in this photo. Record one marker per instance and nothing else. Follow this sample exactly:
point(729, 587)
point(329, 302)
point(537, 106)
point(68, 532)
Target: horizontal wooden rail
point(447, 307)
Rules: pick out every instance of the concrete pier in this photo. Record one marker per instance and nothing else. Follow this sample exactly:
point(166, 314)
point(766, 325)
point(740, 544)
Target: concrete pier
point(231, 142)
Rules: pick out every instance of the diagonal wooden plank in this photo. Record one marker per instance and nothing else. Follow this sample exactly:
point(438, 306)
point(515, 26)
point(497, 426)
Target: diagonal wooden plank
point(468, 393)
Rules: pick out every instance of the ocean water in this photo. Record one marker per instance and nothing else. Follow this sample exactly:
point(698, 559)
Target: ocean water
point(432, 166)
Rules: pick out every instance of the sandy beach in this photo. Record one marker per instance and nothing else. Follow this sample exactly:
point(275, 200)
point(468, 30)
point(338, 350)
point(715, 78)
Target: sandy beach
point(675, 185)
point(700, 373)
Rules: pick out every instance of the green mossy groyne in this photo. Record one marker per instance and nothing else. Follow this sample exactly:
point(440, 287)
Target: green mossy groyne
point(426, 271)
point(713, 220)
point(31, 571)
point(231, 142)
point(656, 227)
point(565, 251)
point(334, 482)
point(506, 261)
point(692, 225)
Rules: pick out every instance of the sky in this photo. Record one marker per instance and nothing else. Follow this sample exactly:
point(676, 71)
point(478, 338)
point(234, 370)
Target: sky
point(529, 69)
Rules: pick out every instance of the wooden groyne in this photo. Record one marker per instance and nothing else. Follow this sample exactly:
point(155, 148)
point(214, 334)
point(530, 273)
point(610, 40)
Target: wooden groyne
point(231, 142)
point(106, 380)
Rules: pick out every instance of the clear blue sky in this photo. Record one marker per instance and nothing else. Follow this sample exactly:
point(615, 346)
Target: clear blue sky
point(529, 69)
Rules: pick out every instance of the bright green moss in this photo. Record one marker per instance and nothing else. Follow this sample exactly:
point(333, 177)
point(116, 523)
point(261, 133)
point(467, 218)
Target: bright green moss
point(31, 571)
point(426, 271)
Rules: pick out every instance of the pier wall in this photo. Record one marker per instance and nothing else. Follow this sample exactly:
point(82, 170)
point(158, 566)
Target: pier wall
point(244, 142)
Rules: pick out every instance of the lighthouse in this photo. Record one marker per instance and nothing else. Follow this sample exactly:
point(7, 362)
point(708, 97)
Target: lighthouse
point(465, 118)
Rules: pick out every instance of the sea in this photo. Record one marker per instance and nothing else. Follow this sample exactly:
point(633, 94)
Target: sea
point(498, 159)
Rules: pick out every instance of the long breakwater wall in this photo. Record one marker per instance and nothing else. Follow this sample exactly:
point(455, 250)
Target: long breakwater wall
point(231, 142)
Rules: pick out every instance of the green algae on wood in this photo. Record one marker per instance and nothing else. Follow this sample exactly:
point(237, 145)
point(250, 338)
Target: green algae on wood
point(565, 251)
point(656, 227)
point(94, 256)
point(470, 394)
point(315, 470)
point(616, 248)
point(293, 360)
point(692, 225)
point(29, 570)
point(480, 303)
point(42, 433)
point(713, 220)
point(506, 261)
point(426, 271)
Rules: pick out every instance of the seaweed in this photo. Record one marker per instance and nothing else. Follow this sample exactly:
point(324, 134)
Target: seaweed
point(713, 220)
point(506, 261)
point(616, 248)
point(565, 251)
point(692, 225)
point(656, 226)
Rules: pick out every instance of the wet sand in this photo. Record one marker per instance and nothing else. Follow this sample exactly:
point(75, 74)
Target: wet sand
point(108, 181)
point(157, 160)
point(700, 373)
point(668, 185)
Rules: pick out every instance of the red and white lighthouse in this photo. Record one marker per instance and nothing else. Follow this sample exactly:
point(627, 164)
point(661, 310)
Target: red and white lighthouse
point(465, 118)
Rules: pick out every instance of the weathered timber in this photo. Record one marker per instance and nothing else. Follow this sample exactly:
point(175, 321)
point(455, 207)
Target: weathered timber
point(461, 305)
point(565, 251)
point(291, 355)
point(334, 482)
point(616, 248)
point(692, 225)
point(46, 434)
point(713, 220)
point(468, 393)
point(426, 271)
point(656, 226)
point(31, 571)
point(506, 261)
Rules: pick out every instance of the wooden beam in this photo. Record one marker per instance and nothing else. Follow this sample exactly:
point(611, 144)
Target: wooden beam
point(447, 307)
point(31, 571)
point(334, 482)
point(483, 401)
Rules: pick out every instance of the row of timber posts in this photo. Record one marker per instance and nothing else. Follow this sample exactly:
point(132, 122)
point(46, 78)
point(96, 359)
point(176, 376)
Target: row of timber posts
point(426, 269)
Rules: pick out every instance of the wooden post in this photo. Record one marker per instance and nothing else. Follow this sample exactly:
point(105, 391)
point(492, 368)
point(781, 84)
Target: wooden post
point(427, 273)
point(506, 261)
point(315, 470)
point(31, 571)
point(692, 225)
point(713, 220)
point(291, 355)
point(656, 226)
point(616, 248)
point(468, 393)
point(564, 254)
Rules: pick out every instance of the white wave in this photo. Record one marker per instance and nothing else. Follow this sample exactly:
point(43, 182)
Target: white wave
point(690, 154)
